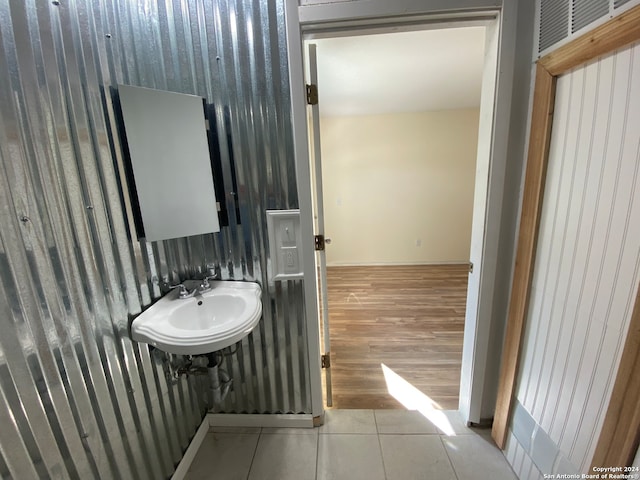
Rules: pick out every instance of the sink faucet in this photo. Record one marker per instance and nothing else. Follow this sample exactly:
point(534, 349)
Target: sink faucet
point(205, 286)
point(183, 293)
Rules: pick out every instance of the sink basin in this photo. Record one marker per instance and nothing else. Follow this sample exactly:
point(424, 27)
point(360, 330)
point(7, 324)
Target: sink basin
point(204, 323)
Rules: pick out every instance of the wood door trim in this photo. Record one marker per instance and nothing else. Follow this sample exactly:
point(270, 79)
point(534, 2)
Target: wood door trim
point(622, 420)
point(617, 32)
point(540, 137)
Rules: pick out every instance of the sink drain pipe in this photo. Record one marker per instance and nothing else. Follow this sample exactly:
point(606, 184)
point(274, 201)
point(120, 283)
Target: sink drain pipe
point(219, 382)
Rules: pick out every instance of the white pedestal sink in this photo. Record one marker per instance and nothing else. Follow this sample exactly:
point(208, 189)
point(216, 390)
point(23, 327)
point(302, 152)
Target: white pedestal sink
point(204, 323)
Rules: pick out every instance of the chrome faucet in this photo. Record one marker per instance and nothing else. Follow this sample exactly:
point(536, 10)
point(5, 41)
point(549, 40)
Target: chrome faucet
point(205, 286)
point(183, 293)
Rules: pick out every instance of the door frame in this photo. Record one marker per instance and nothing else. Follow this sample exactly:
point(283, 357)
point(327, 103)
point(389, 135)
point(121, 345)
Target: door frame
point(473, 352)
point(359, 14)
point(620, 434)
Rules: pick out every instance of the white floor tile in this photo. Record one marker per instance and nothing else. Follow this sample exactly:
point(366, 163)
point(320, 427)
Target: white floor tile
point(475, 457)
point(453, 424)
point(224, 455)
point(285, 457)
point(403, 422)
point(349, 457)
point(408, 457)
point(349, 421)
point(486, 434)
point(352, 445)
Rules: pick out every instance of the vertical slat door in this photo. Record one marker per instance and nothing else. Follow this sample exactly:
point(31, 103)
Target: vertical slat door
point(587, 266)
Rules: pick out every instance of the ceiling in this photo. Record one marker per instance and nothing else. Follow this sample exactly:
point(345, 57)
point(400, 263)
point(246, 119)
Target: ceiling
point(400, 72)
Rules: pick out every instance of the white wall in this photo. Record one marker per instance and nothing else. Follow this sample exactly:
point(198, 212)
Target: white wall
point(398, 188)
point(588, 259)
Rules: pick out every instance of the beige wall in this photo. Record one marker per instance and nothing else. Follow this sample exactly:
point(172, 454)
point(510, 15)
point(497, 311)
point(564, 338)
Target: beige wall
point(398, 188)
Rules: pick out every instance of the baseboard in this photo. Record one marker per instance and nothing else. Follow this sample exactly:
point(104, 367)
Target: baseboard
point(483, 423)
point(289, 420)
point(394, 264)
point(192, 449)
point(237, 420)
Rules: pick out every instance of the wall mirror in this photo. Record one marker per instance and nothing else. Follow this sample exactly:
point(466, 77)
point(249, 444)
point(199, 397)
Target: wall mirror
point(171, 164)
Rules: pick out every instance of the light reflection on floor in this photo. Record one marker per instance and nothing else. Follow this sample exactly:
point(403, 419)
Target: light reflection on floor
point(414, 399)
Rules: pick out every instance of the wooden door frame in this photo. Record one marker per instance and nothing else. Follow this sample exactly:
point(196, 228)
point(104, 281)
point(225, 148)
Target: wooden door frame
point(620, 433)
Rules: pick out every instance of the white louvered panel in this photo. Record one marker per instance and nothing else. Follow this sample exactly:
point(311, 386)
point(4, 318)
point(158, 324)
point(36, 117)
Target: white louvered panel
point(586, 11)
point(561, 21)
point(588, 260)
point(554, 22)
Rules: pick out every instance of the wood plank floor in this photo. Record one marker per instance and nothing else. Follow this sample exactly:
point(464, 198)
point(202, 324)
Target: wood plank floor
point(409, 318)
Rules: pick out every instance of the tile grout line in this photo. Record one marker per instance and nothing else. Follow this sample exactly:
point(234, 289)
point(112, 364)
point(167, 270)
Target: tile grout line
point(253, 457)
point(384, 467)
point(446, 452)
point(317, 454)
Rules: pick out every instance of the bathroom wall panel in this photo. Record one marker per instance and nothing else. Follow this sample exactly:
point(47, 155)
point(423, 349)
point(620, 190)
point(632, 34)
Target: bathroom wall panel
point(587, 268)
point(78, 398)
point(520, 462)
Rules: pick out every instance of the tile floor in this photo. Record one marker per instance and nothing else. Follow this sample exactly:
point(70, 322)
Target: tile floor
point(353, 445)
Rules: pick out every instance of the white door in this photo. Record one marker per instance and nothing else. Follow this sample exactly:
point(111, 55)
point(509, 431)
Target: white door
point(313, 112)
point(477, 322)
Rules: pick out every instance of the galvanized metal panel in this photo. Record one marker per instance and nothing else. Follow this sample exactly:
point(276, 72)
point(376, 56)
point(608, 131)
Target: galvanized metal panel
point(79, 399)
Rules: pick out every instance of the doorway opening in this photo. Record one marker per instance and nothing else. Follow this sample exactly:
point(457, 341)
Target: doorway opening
point(395, 173)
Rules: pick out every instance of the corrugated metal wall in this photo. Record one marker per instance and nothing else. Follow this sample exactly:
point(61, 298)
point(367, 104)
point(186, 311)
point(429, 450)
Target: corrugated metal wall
point(588, 260)
point(79, 399)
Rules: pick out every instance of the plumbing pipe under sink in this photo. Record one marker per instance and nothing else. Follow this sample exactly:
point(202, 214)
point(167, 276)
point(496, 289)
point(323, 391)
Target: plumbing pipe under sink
point(219, 383)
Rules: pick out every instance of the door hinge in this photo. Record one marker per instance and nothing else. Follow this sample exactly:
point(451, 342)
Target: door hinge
point(319, 242)
point(470, 267)
point(312, 94)
point(325, 360)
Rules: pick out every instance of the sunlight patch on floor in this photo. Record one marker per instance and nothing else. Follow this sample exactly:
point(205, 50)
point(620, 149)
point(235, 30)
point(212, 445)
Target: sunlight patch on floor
point(414, 399)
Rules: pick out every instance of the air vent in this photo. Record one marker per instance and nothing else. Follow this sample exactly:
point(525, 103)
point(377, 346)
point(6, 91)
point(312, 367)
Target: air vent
point(587, 11)
point(619, 3)
point(554, 22)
